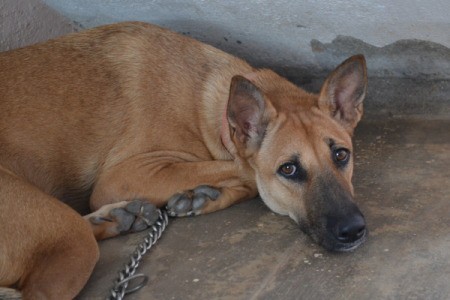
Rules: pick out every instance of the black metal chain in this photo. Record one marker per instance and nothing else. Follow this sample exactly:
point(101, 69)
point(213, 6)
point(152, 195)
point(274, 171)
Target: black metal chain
point(126, 275)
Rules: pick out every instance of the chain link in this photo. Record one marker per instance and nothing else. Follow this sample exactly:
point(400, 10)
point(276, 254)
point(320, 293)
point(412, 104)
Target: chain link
point(126, 275)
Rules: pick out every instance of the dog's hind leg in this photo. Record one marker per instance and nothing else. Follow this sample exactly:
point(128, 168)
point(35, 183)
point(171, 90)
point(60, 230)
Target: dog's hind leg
point(47, 250)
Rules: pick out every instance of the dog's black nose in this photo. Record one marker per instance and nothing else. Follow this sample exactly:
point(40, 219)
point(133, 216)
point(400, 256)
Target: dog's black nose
point(351, 229)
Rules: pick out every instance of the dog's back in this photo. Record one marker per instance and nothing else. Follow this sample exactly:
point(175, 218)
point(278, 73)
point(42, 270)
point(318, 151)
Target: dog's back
point(71, 106)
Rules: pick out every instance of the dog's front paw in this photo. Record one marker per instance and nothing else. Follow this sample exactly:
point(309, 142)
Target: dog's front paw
point(123, 217)
point(191, 202)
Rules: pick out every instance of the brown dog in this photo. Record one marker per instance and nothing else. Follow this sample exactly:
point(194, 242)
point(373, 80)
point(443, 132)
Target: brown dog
point(132, 111)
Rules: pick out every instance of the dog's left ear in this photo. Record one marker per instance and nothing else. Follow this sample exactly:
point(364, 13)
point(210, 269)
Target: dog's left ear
point(247, 114)
point(344, 90)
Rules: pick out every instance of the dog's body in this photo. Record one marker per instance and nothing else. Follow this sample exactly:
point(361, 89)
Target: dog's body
point(132, 111)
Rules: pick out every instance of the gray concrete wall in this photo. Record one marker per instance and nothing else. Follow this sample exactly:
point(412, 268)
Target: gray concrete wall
point(405, 38)
point(25, 22)
point(307, 35)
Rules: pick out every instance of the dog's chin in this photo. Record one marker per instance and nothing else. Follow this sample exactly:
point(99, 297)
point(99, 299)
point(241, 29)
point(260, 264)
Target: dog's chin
point(348, 247)
point(329, 242)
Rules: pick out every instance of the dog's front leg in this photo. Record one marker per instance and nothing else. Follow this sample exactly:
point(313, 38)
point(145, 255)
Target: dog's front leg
point(206, 198)
point(186, 187)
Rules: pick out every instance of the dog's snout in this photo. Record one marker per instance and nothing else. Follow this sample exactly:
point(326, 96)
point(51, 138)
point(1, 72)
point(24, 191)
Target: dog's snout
point(350, 229)
point(335, 220)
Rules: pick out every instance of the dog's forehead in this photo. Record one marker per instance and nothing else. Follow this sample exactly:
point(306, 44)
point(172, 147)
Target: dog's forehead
point(299, 113)
point(311, 125)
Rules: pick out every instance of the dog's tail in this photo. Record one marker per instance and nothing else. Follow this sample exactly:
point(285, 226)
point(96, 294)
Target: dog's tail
point(9, 294)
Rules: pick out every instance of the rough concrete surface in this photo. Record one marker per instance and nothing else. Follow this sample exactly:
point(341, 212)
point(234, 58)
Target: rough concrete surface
point(247, 252)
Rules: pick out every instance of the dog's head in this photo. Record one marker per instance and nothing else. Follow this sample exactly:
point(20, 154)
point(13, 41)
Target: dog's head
point(299, 146)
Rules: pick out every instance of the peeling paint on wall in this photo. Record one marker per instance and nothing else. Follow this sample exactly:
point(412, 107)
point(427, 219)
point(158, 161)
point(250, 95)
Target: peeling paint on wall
point(404, 58)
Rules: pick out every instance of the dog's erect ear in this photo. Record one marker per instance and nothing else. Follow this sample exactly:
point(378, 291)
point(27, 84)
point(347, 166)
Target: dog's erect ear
point(344, 90)
point(246, 113)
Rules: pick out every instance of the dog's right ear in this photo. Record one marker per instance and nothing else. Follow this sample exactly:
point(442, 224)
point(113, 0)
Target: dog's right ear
point(246, 114)
point(344, 90)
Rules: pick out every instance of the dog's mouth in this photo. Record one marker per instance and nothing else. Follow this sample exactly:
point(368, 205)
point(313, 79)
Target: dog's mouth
point(349, 247)
point(330, 242)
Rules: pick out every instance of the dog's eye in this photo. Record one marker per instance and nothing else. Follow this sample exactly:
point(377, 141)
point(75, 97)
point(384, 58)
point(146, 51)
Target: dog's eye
point(341, 156)
point(288, 169)
point(293, 170)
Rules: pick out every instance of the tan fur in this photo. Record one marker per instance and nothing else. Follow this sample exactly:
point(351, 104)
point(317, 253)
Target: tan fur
point(131, 111)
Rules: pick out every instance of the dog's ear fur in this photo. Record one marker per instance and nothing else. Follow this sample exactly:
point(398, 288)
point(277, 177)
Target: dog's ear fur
point(343, 92)
point(246, 114)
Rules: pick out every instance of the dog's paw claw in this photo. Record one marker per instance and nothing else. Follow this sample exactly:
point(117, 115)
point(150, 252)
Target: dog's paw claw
point(191, 202)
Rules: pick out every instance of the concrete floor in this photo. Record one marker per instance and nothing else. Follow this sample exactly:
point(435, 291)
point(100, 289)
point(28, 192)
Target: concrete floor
point(402, 182)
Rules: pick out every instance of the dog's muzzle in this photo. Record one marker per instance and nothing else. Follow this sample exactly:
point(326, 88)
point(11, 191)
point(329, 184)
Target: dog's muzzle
point(334, 220)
